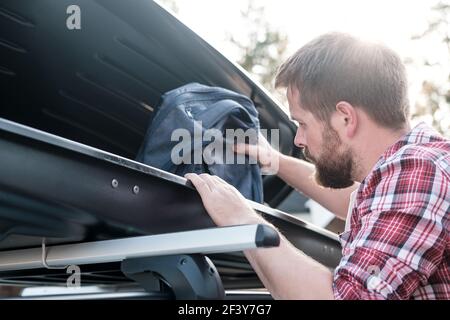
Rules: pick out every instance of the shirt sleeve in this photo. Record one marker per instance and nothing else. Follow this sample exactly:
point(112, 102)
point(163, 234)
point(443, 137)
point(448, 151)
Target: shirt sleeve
point(399, 239)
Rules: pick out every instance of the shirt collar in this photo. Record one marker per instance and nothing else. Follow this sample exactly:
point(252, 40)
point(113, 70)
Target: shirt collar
point(420, 134)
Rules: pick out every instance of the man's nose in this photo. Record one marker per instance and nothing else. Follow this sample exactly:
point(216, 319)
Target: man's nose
point(299, 140)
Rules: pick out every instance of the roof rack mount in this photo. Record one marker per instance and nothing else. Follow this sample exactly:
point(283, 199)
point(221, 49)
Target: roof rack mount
point(172, 262)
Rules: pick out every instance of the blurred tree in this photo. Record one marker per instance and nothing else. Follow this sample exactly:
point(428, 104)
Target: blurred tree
point(170, 4)
point(261, 47)
point(434, 107)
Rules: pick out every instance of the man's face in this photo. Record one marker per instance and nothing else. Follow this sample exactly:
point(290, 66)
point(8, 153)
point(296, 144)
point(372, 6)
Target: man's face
point(322, 146)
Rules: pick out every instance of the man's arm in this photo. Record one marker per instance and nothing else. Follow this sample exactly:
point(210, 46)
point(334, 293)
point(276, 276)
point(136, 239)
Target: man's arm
point(285, 271)
point(290, 274)
point(300, 175)
point(400, 240)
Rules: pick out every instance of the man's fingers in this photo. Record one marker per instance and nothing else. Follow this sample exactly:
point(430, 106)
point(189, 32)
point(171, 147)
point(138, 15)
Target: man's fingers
point(220, 181)
point(199, 183)
point(249, 149)
point(212, 184)
point(240, 148)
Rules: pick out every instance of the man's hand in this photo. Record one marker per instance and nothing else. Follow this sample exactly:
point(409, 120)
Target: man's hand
point(285, 272)
point(267, 157)
point(224, 203)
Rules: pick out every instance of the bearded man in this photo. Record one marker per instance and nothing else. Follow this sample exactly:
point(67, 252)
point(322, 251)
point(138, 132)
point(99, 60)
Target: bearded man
point(389, 181)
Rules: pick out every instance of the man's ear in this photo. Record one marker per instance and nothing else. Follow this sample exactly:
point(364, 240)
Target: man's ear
point(346, 118)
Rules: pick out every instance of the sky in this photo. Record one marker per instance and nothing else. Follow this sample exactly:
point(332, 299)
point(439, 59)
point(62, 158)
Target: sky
point(392, 22)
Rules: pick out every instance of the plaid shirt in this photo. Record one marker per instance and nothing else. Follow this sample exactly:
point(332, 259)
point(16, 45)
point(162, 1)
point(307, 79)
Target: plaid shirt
point(398, 245)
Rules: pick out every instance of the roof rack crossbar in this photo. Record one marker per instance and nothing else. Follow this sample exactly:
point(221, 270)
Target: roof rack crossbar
point(204, 241)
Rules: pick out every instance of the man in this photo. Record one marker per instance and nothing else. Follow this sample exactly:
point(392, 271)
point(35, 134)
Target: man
point(390, 181)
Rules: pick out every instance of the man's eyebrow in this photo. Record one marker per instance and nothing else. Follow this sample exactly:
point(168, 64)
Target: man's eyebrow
point(295, 118)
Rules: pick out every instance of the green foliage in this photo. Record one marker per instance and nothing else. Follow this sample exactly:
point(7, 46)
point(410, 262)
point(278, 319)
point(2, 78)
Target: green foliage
point(262, 48)
point(436, 96)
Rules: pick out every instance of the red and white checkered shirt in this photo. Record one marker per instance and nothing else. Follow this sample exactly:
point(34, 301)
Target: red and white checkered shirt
point(397, 245)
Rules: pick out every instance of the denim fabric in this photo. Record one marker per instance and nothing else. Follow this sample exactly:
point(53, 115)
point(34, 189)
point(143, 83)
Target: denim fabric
point(216, 108)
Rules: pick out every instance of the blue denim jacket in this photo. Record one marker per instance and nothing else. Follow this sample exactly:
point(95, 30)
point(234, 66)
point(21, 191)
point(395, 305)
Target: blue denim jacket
point(216, 108)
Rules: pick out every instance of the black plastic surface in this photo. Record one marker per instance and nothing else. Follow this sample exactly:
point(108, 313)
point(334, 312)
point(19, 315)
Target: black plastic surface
point(98, 86)
point(189, 277)
point(75, 192)
point(266, 236)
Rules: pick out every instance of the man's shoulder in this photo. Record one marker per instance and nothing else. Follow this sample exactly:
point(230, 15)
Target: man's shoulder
point(424, 164)
point(429, 151)
point(412, 158)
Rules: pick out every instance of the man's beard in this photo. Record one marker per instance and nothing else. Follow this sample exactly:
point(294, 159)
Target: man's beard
point(334, 166)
